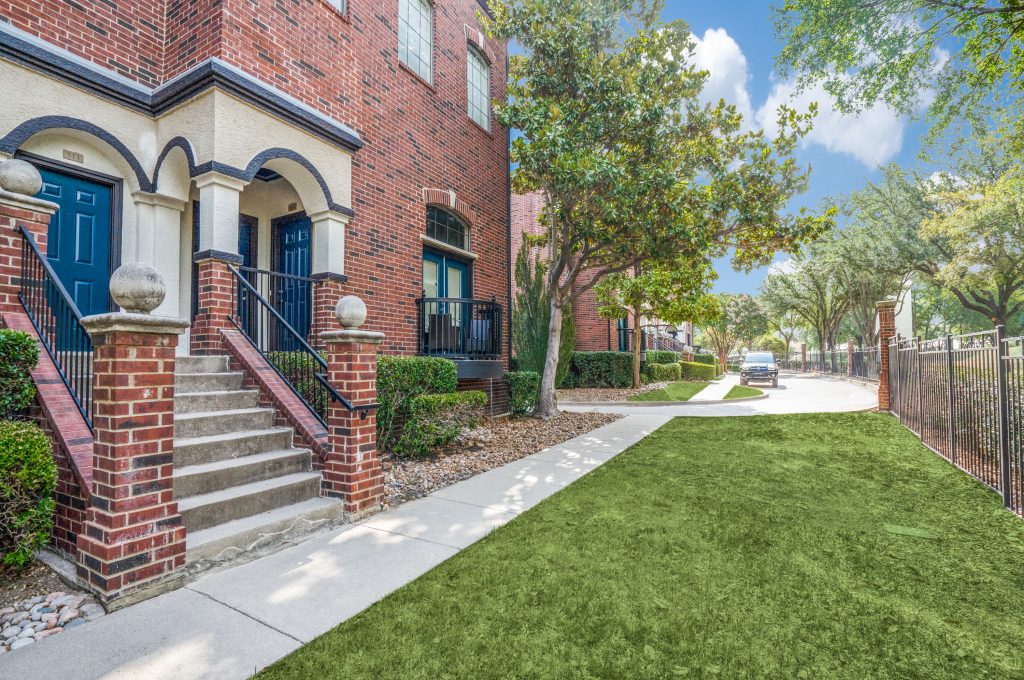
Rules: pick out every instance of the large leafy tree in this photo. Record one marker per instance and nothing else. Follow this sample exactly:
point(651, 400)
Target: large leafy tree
point(962, 59)
point(673, 292)
point(633, 168)
point(531, 312)
point(740, 320)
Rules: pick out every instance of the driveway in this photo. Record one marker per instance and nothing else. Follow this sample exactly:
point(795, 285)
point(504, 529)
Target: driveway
point(796, 393)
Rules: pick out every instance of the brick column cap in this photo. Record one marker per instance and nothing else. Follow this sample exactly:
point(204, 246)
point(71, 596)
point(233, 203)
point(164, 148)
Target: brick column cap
point(23, 202)
point(218, 256)
point(125, 322)
point(886, 304)
point(365, 337)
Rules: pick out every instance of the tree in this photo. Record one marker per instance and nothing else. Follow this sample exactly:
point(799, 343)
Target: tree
point(938, 312)
point(962, 59)
point(781, 319)
point(633, 168)
point(530, 315)
point(674, 293)
point(739, 319)
point(770, 342)
point(749, 319)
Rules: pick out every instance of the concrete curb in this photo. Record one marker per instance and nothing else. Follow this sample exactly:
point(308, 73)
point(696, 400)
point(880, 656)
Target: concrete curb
point(641, 404)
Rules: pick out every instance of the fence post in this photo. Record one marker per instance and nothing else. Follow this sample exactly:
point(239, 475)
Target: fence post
point(1004, 418)
point(849, 358)
point(952, 410)
point(803, 357)
point(920, 386)
point(886, 330)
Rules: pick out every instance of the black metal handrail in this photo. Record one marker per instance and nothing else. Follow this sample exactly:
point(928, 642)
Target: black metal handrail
point(58, 322)
point(459, 328)
point(286, 350)
point(289, 294)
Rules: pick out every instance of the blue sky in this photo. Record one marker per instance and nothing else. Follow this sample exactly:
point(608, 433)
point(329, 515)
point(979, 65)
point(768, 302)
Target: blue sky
point(737, 43)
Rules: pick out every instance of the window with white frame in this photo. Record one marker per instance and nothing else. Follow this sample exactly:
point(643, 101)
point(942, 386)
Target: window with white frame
point(416, 36)
point(479, 86)
point(340, 5)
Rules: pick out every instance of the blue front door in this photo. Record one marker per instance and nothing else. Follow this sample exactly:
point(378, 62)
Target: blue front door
point(293, 299)
point(78, 242)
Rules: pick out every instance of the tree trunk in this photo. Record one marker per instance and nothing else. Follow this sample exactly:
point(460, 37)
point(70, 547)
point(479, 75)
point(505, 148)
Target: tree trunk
point(637, 337)
point(547, 405)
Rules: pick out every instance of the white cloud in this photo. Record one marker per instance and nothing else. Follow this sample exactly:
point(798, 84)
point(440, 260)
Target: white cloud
point(720, 55)
point(786, 266)
point(873, 136)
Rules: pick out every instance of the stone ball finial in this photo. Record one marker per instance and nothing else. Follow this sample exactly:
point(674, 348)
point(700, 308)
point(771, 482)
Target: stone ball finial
point(350, 312)
point(20, 177)
point(137, 287)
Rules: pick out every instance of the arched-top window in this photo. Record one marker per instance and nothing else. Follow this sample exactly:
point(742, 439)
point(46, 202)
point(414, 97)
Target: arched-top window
point(445, 227)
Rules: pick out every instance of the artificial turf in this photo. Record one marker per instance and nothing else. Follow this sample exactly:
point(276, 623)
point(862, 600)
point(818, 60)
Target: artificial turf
point(800, 546)
point(742, 392)
point(676, 391)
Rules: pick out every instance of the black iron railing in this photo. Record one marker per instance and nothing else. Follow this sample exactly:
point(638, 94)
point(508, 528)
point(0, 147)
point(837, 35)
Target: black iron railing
point(653, 337)
point(964, 396)
point(291, 296)
point(58, 322)
point(284, 348)
point(458, 328)
point(862, 363)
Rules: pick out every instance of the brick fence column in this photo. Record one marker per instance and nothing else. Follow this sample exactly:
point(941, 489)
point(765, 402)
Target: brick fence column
point(20, 181)
point(352, 471)
point(216, 298)
point(803, 357)
point(326, 293)
point(133, 543)
point(886, 331)
point(849, 358)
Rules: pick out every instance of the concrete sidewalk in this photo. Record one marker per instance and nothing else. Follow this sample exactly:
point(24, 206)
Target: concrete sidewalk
point(232, 623)
point(716, 391)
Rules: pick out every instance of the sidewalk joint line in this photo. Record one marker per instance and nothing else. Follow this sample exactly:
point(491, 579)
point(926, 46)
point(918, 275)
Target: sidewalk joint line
point(245, 614)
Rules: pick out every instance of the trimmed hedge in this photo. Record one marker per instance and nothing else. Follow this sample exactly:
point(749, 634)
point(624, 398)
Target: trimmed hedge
point(599, 369)
point(705, 359)
point(664, 372)
point(438, 419)
point(27, 479)
point(19, 354)
point(400, 380)
point(661, 357)
point(735, 368)
point(691, 370)
point(523, 390)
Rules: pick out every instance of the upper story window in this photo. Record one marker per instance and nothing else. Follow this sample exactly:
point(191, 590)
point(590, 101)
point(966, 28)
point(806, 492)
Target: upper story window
point(479, 86)
point(445, 227)
point(416, 36)
point(340, 5)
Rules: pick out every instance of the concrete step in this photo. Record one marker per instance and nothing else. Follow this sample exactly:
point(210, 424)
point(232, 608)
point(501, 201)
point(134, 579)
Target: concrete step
point(186, 383)
point(199, 450)
point(255, 535)
point(210, 509)
point(227, 400)
point(209, 477)
point(201, 365)
point(206, 423)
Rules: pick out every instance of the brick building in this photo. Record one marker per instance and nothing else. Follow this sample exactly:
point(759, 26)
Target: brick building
point(265, 158)
point(594, 333)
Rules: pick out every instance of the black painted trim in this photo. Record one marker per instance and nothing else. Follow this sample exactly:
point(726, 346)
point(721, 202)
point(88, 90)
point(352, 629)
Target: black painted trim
point(230, 258)
point(470, 369)
point(329, 276)
point(270, 154)
point(175, 143)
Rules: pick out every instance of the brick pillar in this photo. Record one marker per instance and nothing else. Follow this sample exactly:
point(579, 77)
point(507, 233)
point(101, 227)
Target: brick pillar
point(326, 292)
point(352, 471)
point(803, 357)
point(849, 358)
point(216, 299)
point(20, 211)
point(133, 543)
point(886, 331)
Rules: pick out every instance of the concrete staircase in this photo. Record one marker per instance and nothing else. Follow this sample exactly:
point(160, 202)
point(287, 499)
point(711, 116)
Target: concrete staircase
point(242, 487)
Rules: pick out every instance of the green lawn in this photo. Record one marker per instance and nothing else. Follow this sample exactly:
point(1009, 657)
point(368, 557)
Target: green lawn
point(742, 392)
point(807, 546)
point(677, 391)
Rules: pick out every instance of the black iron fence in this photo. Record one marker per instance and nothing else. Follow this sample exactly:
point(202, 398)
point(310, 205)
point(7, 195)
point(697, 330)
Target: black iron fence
point(861, 363)
point(652, 337)
point(459, 328)
point(964, 396)
point(58, 322)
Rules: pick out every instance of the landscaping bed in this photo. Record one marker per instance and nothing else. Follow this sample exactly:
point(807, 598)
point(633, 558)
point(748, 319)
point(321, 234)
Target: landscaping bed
point(597, 394)
point(494, 443)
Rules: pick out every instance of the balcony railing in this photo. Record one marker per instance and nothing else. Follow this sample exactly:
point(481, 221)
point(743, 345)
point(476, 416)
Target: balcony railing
point(458, 328)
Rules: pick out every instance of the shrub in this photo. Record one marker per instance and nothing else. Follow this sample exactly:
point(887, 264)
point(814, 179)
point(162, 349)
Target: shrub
point(661, 357)
point(27, 479)
point(691, 370)
point(19, 354)
point(438, 419)
point(523, 390)
point(735, 368)
point(705, 359)
point(300, 368)
point(664, 372)
point(600, 369)
point(400, 379)
point(531, 316)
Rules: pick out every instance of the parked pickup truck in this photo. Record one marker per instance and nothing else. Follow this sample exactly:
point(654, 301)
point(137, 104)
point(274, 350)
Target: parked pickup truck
point(759, 366)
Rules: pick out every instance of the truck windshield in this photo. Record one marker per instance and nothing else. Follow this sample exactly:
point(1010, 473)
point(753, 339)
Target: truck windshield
point(759, 358)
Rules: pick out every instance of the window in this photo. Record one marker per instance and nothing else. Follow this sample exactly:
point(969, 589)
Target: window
point(447, 228)
point(416, 36)
point(340, 5)
point(479, 85)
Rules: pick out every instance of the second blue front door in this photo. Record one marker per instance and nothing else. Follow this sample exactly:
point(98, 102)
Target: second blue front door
point(293, 259)
point(78, 241)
